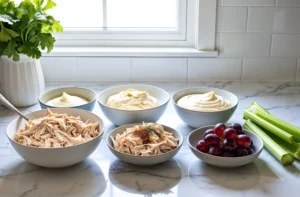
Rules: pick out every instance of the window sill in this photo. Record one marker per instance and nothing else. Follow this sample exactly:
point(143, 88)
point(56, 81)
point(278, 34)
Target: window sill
point(129, 52)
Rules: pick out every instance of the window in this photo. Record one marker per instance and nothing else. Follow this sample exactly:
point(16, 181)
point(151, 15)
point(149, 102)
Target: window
point(147, 23)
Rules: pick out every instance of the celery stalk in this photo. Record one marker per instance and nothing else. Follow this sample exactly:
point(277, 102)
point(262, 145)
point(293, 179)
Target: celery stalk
point(279, 153)
point(287, 127)
point(268, 126)
point(257, 107)
point(293, 149)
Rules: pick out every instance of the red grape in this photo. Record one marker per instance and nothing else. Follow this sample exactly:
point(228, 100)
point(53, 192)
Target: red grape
point(243, 141)
point(202, 146)
point(209, 131)
point(240, 152)
point(230, 133)
point(229, 144)
point(212, 139)
point(228, 154)
point(216, 150)
point(250, 151)
point(238, 128)
point(219, 129)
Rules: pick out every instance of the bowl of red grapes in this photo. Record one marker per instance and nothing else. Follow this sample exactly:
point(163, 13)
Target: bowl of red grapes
point(225, 145)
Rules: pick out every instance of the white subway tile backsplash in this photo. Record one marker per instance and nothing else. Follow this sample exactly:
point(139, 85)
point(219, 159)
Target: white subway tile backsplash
point(232, 19)
point(260, 19)
point(247, 2)
point(288, 3)
point(244, 45)
point(286, 20)
point(161, 69)
point(286, 45)
point(104, 69)
point(212, 69)
point(59, 68)
point(269, 69)
point(274, 19)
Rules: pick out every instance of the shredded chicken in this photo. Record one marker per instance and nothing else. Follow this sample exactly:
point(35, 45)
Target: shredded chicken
point(144, 140)
point(56, 130)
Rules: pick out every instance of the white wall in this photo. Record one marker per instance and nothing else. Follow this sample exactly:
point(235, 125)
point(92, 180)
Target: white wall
point(257, 40)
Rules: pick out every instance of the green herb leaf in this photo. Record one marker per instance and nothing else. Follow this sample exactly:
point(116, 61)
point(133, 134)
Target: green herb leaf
point(30, 50)
point(57, 27)
point(7, 19)
point(46, 41)
point(38, 4)
point(3, 46)
point(50, 4)
point(26, 7)
point(4, 35)
point(11, 51)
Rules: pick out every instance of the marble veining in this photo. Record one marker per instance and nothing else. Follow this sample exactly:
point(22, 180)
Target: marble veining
point(103, 175)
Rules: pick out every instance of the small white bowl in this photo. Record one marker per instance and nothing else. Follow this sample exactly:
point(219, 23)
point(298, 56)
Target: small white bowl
point(143, 160)
point(226, 162)
point(198, 119)
point(87, 94)
point(55, 157)
point(122, 117)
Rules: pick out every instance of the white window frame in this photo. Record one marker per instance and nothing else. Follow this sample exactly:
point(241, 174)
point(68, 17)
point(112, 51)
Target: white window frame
point(195, 36)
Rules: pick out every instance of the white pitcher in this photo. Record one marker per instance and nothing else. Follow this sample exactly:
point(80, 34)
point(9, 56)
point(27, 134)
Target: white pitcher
point(21, 82)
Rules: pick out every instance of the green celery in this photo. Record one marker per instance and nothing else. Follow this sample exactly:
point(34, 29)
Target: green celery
point(279, 153)
point(293, 149)
point(283, 125)
point(268, 126)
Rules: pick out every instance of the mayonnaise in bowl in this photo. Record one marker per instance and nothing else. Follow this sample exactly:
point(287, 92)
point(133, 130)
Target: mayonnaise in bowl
point(132, 99)
point(207, 102)
point(67, 100)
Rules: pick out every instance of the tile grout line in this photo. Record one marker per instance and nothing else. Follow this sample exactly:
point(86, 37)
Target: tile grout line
point(242, 68)
point(247, 19)
point(271, 45)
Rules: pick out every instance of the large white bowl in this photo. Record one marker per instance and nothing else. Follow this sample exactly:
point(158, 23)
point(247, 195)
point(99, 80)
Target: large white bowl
point(122, 117)
point(55, 157)
point(225, 162)
point(198, 119)
point(143, 160)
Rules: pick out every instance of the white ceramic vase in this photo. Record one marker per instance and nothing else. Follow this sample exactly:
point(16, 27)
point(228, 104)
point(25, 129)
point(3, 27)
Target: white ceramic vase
point(21, 82)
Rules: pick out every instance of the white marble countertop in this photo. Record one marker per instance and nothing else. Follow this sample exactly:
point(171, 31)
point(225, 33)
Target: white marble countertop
point(104, 175)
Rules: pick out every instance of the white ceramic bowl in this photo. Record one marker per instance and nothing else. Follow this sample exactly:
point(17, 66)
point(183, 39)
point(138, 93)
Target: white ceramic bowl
point(87, 94)
point(55, 157)
point(225, 162)
point(143, 160)
point(198, 119)
point(122, 117)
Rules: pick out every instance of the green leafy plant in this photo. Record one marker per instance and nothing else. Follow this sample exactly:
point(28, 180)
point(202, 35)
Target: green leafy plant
point(27, 28)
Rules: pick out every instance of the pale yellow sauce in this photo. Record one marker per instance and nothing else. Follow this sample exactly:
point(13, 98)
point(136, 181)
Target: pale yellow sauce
point(132, 99)
point(208, 102)
point(67, 100)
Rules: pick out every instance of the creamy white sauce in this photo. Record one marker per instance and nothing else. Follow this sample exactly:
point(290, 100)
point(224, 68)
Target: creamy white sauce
point(132, 99)
point(67, 100)
point(208, 102)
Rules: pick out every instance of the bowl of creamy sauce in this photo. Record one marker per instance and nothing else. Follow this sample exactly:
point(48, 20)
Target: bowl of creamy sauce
point(132, 99)
point(133, 103)
point(202, 106)
point(73, 97)
point(207, 102)
point(66, 100)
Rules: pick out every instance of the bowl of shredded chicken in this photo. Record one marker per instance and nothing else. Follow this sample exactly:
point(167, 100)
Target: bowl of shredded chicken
point(144, 144)
point(56, 138)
